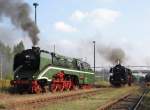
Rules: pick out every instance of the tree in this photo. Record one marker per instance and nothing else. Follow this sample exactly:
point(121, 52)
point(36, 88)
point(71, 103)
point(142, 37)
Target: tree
point(18, 48)
point(6, 59)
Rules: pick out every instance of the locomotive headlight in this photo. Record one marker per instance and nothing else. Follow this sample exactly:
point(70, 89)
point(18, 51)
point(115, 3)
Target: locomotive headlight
point(111, 74)
point(27, 56)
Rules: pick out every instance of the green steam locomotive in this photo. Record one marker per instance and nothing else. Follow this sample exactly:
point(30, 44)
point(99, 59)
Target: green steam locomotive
point(35, 70)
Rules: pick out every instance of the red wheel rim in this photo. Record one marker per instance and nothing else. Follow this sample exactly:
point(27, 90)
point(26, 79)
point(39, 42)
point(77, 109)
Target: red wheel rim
point(53, 87)
point(37, 89)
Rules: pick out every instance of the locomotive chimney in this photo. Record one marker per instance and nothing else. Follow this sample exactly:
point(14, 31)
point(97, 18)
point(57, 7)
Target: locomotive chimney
point(36, 48)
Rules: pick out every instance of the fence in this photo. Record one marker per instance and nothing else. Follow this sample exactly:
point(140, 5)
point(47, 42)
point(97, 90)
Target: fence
point(4, 85)
point(101, 80)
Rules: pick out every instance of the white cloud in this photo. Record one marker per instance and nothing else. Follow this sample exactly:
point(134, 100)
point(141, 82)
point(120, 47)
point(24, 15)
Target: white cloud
point(78, 15)
point(108, 1)
point(104, 15)
point(97, 17)
point(63, 27)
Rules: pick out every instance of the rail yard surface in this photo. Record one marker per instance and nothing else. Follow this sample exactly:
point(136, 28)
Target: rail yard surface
point(131, 101)
point(35, 100)
point(92, 102)
point(105, 98)
point(75, 100)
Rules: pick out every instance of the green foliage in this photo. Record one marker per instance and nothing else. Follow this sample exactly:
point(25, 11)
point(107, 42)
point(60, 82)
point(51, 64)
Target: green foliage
point(18, 48)
point(6, 58)
point(5, 51)
point(9, 76)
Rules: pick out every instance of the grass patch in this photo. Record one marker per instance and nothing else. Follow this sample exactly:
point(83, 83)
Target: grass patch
point(91, 102)
point(102, 82)
point(2, 106)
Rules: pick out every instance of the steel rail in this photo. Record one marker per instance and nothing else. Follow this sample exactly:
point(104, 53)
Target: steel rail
point(137, 105)
point(134, 106)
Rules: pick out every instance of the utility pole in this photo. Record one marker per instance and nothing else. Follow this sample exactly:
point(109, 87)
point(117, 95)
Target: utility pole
point(94, 55)
point(54, 48)
point(1, 68)
point(35, 5)
point(53, 54)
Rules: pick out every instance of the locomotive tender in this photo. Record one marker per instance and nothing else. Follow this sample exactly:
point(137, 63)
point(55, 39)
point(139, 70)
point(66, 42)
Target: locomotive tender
point(36, 69)
point(120, 75)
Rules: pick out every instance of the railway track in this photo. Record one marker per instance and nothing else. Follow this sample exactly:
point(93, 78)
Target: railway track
point(37, 101)
point(126, 102)
point(40, 102)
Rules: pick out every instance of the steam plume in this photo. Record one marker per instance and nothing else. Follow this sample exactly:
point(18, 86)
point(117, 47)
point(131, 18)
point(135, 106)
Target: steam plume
point(112, 54)
point(18, 12)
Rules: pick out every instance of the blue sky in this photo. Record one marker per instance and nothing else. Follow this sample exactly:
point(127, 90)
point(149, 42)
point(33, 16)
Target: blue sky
point(72, 24)
point(132, 23)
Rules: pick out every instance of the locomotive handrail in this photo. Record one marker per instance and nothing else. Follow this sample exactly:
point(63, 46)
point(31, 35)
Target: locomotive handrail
point(45, 51)
point(18, 68)
point(124, 65)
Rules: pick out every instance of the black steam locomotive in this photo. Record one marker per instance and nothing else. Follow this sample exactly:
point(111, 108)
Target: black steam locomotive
point(119, 76)
point(147, 79)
